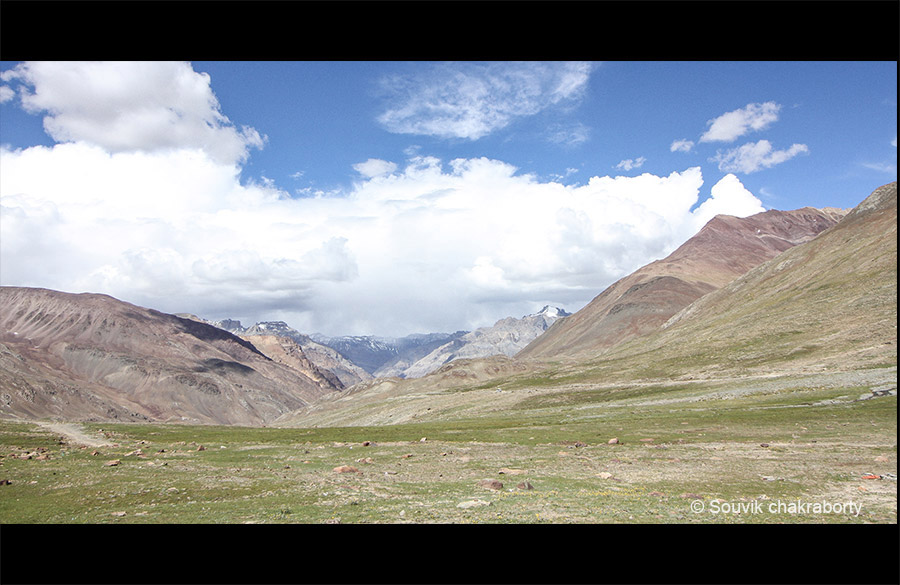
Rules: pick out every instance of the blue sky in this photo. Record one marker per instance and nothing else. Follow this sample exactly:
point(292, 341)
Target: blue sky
point(359, 197)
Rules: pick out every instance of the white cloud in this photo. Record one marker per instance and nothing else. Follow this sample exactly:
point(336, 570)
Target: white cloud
point(432, 246)
point(629, 164)
point(131, 106)
point(468, 100)
point(755, 156)
point(732, 125)
point(375, 167)
point(882, 167)
point(894, 142)
point(6, 94)
point(729, 197)
point(681, 146)
point(426, 245)
point(571, 135)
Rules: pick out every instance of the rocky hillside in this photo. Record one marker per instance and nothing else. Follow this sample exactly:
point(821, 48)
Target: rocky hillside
point(506, 337)
point(722, 250)
point(93, 357)
point(325, 358)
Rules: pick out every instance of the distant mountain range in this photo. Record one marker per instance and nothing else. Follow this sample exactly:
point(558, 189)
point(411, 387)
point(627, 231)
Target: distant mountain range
point(324, 357)
point(506, 337)
point(387, 356)
point(405, 357)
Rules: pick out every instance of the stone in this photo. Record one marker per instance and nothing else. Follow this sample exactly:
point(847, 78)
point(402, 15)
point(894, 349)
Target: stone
point(613, 441)
point(509, 471)
point(604, 475)
point(345, 469)
point(763, 445)
point(472, 504)
point(525, 485)
point(491, 484)
point(201, 448)
point(112, 463)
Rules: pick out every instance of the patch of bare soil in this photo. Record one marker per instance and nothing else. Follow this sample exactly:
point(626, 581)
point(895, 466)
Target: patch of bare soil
point(75, 433)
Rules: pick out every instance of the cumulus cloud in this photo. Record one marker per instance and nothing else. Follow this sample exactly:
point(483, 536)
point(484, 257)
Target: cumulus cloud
point(131, 106)
point(681, 146)
point(424, 245)
point(469, 100)
point(375, 167)
point(433, 246)
point(629, 164)
point(732, 125)
point(755, 156)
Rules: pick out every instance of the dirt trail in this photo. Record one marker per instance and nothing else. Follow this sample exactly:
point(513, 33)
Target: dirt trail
point(75, 433)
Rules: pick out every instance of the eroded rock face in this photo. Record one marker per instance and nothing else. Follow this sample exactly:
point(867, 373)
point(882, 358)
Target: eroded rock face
point(325, 359)
point(93, 357)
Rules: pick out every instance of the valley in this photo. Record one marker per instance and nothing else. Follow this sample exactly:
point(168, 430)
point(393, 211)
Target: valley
point(749, 372)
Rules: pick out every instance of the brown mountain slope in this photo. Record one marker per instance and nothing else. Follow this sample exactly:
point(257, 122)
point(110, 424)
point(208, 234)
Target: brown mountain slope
point(92, 357)
point(830, 303)
point(724, 249)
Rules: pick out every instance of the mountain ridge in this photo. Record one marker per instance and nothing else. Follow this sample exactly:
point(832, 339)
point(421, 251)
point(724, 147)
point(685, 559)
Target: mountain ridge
point(90, 356)
point(726, 247)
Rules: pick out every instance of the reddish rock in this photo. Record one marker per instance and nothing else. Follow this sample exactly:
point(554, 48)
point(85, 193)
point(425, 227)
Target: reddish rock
point(345, 469)
point(491, 484)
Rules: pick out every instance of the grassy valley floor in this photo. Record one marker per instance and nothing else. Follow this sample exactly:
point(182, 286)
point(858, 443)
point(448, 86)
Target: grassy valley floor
point(791, 450)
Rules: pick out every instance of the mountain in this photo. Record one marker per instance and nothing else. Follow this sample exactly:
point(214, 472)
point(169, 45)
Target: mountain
point(323, 357)
point(93, 357)
point(828, 304)
point(823, 307)
point(506, 337)
point(387, 356)
point(725, 248)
